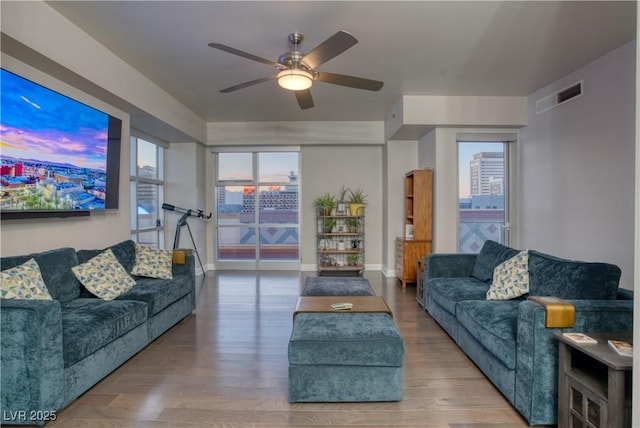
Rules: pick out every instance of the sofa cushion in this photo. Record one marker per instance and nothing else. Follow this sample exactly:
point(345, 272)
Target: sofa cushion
point(336, 286)
point(510, 278)
point(569, 279)
point(345, 339)
point(490, 256)
point(55, 267)
point(493, 324)
point(104, 276)
point(158, 293)
point(447, 292)
point(152, 263)
point(90, 324)
point(24, 282)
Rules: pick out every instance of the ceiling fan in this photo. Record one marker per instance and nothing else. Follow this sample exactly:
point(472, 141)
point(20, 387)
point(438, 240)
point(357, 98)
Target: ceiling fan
point(296, 70)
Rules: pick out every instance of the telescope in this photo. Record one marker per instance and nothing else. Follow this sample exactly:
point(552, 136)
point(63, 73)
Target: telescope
point(186, 213)
point(195, 213)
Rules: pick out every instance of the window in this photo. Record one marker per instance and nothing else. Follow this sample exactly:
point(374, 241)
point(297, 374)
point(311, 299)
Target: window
point(483, 194)
point(147, 191)
point(257, 207)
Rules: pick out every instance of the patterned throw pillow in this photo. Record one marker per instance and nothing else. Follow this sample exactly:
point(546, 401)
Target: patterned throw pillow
point(24, 282)
point(510, 278)
point(153, 263)
point(104, 276)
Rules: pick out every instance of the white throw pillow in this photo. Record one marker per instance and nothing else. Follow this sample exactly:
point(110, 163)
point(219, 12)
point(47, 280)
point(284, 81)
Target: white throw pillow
point(24, 282)
point(153, 263)
point(510, 278)
point(104, 276)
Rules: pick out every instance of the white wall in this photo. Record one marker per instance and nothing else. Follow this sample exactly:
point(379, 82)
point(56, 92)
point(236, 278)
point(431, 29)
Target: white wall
point(326, 169)
point(186, 188)
point(400, 158)
point(577, 167)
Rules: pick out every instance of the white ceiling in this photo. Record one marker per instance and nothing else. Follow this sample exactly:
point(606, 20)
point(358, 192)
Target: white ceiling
point(415, 48)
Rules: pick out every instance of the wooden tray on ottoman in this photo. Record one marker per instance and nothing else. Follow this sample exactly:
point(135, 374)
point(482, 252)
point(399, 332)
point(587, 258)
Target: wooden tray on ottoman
point(323, 304)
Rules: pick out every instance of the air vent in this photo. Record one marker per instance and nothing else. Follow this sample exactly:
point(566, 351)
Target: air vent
point(570, 92)
point(559, 97)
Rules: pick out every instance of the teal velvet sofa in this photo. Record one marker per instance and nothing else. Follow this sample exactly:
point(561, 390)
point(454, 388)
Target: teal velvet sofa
point(52, 351)
point(507, 339)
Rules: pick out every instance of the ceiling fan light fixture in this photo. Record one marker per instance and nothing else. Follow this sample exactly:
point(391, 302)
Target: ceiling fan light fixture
point(295, 79)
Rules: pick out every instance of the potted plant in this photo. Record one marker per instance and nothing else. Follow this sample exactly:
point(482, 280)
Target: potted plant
point(328, 225)
point(357, 201)
point(342, 201)
point(353, 259)
point(325, 204)
point(352, 225)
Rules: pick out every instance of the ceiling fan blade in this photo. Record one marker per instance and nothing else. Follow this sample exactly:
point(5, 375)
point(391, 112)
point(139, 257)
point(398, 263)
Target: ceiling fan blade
point(350, 81)
point(330, 48)
point(243, 54)
point(247, 84)
point(305, 100)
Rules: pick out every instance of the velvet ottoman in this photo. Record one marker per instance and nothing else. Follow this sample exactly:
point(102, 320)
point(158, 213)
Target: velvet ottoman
point(336, 286)
point(345, 357)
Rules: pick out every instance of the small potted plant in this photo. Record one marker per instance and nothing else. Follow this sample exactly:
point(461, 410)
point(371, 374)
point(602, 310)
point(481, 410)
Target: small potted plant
point(357, 201)
point(328, 224)
point(342, 201)
point(325, 204)
point(352, 224)
point(353, 259)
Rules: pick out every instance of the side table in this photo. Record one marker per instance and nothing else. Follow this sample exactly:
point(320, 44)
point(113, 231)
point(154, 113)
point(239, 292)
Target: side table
point(420, 283)
point(594, 383)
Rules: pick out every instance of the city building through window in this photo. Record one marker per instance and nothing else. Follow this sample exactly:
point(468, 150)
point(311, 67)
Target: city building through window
point(482, 203)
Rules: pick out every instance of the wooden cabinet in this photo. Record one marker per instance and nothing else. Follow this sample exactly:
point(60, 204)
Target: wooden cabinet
point(594, 383)
point(340, 243)
point(418, 224)
point(407, 254)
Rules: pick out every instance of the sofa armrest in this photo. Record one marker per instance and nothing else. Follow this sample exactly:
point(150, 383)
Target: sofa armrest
point(537, 351)
point(624, 294)
point(449, 265)
point(32, 364)
point(187, 270)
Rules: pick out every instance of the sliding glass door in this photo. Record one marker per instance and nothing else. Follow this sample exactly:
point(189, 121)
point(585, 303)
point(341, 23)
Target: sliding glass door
point(257, 224)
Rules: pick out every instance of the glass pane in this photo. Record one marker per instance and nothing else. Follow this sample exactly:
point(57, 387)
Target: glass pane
point(279, 204)
point(576, 400)
point(133, 205)
point(235, 166)
point(147, 159)
point(278, 167)
point(481, 169)
point(235, 204)
point(149, 239)
point(576, 422)
point(279, 243)
point(236, 243)
point(147, 205)
point(593, 413)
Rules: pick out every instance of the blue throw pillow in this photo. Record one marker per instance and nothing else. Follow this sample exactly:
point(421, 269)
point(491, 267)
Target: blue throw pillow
point(490, 256)
point(569, 279)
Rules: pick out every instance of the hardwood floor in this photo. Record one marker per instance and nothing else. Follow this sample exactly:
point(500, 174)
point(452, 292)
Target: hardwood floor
point(226, 366)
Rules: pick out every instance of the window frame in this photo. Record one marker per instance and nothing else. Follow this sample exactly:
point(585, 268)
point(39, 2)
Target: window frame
point(135, 180)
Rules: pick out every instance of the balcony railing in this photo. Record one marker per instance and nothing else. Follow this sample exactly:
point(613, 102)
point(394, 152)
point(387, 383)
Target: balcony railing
point(474, 233)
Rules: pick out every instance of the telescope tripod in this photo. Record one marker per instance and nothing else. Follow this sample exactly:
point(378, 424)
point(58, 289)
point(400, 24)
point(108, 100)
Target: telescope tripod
point(176, 241)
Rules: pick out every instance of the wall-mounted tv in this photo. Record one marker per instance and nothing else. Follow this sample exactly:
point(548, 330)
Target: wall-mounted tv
point(58, 157)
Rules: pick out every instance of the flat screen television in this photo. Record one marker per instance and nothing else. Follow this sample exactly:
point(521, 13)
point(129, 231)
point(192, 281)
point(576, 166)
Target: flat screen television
point(58, 157)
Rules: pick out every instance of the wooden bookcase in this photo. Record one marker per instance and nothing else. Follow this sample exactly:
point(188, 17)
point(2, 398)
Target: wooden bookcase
point(418, 219)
